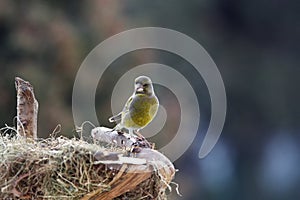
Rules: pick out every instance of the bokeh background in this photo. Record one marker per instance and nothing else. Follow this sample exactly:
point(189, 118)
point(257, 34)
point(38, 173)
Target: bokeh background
point(255, 45)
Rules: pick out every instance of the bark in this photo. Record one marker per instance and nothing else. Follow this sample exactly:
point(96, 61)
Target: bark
point(27, 109)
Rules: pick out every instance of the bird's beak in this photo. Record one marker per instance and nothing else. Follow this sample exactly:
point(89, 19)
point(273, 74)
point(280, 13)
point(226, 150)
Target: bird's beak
point(139, 88)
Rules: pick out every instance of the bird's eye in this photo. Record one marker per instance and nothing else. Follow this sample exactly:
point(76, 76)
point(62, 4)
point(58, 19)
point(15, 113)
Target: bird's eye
point(146, 85)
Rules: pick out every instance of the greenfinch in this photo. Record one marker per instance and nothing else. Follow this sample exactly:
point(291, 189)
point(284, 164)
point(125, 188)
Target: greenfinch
point(140, 108)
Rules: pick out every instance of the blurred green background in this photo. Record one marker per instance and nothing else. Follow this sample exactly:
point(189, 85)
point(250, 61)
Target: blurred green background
point(255, 45)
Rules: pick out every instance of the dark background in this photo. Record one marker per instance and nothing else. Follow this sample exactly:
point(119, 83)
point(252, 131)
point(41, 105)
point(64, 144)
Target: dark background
point(255, 45)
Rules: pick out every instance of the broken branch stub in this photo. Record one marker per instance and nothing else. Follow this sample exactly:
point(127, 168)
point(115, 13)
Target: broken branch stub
point(27, 109)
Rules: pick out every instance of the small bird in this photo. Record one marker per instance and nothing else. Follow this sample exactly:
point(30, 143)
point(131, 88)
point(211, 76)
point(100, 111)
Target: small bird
point(140, 108)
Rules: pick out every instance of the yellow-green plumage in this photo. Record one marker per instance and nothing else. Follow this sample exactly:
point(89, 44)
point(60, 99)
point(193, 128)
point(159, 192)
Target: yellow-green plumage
point(142, 110)
point(141, 107)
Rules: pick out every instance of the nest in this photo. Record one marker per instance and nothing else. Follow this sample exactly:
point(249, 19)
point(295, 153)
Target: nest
point(62, 168)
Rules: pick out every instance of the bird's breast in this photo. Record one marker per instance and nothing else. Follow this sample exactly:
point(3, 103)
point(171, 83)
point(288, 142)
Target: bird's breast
point(142, 110)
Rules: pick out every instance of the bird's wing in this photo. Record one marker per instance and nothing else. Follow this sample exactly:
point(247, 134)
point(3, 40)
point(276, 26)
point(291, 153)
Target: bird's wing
point(127, 105)
point(125, 110)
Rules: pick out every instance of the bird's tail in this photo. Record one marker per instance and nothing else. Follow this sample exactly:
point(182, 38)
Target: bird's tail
point(115, 118)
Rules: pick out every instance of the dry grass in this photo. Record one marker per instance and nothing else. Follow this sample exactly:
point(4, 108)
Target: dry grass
point(62, 168)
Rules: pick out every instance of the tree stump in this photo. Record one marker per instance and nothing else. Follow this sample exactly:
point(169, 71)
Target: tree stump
point(122, 167)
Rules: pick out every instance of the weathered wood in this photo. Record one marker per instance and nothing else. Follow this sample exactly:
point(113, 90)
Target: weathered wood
point(124, 181)
point(27, 109)
point(110, 136)
point(135, 169)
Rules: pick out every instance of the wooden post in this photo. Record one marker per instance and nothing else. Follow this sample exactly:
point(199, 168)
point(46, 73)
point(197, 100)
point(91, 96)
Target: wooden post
point(27, 109)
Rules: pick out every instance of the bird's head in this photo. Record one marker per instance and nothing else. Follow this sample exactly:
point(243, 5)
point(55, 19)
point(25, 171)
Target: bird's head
point(143, 85)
